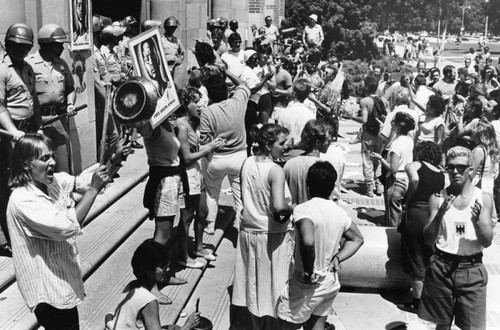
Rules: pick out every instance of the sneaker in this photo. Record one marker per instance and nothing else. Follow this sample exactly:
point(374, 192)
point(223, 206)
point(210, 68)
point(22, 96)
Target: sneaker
point(369, 193)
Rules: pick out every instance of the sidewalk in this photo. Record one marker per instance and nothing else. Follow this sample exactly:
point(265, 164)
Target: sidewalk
point(355, 308)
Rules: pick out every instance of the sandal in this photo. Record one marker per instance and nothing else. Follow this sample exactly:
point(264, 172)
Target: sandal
point(195, 264)
point(176, 281)
point(205, 254)
point(163, 299)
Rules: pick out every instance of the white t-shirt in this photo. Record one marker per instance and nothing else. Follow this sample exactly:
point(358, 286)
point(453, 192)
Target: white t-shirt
point(422, 97)
point(294, 118)
point(386, 129)
point(429, 127)
point(330, 223)
point(235, 62)
point(403, 147)
point(127, 313)
point(250, 78)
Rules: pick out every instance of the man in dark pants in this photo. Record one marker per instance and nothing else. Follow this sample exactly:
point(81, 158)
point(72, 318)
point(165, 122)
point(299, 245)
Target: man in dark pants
point(19, 112)
point(460, 228)
point(55, 89)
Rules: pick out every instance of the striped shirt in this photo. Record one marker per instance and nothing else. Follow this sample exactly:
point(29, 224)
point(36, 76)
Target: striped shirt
point(43, 229)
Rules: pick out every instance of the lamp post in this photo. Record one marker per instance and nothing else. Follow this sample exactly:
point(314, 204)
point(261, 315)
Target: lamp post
point(463, 18)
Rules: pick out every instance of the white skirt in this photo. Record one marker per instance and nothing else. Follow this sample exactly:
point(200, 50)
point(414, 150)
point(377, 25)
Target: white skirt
point(263, 267)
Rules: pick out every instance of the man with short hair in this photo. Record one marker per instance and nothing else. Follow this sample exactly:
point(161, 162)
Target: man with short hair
point(434, 76)
point(460, 227)
point(297, 114)
point(370, 142)
point(233, 58)
point(272, 32)
point(468, 65)
point(313, 33)
point(446, 86)
point(320, 226)
point(283, 91)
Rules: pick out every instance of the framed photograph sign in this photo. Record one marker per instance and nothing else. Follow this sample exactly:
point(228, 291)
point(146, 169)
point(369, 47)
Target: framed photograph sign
point(149, 62)
point(80, 24)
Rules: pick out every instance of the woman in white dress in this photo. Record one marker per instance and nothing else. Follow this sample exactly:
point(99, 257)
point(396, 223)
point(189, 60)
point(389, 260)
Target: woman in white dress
point(265, 244)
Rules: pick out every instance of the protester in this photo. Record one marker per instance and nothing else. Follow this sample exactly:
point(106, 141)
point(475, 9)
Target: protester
point(296, 115)
point(313, 33)
point(187, 131)
point(320, 226)
point(460, 227)
point(164, 195)
point(139, 308)
point(265, 245)
point(316, 137)
point(432, 128)
point(425, 177)
point(399, 154)
point(44, 221)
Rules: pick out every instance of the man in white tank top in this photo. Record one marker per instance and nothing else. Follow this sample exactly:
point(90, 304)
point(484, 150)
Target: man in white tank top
point(460, 228)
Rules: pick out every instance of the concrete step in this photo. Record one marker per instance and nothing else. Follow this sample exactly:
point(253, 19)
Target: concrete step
point(131, 174)
point(103, 295)
point(101, 237)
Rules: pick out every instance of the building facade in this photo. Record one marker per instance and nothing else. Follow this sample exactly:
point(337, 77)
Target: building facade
point(192, 15)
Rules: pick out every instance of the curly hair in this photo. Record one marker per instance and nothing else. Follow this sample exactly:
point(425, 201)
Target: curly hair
point(437, 103)
point(186, 95)
point(149, 255)
point(314, 130)
point(487, 138)
point(430, 152)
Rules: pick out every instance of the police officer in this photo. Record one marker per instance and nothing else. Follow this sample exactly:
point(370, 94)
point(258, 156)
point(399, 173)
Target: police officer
point(101, 77)
point(172, 47)
point(19, 111)
point(55, 89)
point(233, 27)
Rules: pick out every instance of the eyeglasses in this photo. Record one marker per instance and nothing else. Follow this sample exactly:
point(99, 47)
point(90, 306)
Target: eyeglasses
point(459, 167)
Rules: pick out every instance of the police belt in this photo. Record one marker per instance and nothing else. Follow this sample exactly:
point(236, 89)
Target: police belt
point(475, 258)
point(53, 110)
point(26, 125)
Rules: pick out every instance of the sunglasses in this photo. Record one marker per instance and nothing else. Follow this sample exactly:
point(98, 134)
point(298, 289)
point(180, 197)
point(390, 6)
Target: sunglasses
point(460, 168)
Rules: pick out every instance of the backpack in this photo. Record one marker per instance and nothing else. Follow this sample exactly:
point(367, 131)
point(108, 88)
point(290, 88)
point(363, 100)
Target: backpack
point(375, 117)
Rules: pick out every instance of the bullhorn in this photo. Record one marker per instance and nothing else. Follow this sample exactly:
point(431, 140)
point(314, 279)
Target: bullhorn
point(134, 102)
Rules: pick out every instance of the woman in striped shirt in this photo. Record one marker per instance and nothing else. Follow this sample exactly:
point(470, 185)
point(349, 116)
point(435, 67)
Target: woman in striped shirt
point(44, 221)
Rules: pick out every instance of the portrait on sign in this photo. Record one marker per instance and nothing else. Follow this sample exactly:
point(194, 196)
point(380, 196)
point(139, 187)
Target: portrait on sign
point(80, 24)
point(149, 62)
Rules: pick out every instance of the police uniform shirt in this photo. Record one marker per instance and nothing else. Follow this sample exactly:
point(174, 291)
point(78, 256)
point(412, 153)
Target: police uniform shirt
point(53, 81)
point(100, 65)
point(172, 49)
point(16, 88)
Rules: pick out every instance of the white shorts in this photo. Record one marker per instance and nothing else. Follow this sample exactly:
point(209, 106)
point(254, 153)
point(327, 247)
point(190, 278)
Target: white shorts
point(169, 197)
point(299, 300)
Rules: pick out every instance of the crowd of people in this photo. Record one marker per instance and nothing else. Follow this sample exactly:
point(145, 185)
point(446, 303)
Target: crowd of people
point(267, 120)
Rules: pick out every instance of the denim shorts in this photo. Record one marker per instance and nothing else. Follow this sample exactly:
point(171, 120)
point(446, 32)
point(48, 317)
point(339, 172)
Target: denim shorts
point(454, 289)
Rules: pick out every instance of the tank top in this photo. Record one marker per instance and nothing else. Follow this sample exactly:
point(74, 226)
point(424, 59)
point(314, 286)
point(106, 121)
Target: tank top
point(457, 233)
point(429, 183)
point(257, 200)
point(162, 148)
